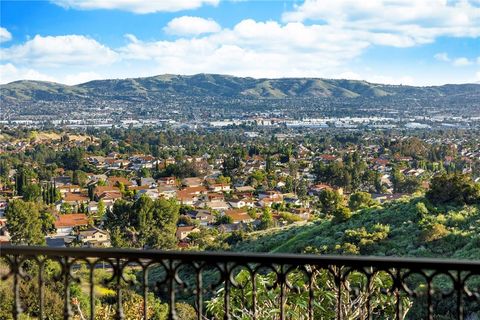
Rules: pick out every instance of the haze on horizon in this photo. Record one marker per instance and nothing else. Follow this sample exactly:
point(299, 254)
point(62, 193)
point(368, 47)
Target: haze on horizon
point(431, 42)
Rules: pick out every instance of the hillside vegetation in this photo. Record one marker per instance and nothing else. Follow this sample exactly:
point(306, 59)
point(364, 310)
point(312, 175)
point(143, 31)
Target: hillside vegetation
point(409, 227)
point(214, 85)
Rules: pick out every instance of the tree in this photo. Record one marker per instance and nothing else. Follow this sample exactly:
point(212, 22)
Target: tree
point(32, 192)
point(330, 200)
point(266, 220)
point(341, 214)
point(73, 159)
point(79, 177)
point(24, 224)
point(360, 200)
point(101, 208)
point(455, 189)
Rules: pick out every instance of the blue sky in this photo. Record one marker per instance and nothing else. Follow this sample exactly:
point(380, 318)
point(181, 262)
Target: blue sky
point(426, 42)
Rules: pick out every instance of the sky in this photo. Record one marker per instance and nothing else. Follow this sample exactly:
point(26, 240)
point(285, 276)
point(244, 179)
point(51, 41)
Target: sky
point(413, 42)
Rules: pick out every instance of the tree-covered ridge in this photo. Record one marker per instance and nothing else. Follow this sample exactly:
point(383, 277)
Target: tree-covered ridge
point(215, 85)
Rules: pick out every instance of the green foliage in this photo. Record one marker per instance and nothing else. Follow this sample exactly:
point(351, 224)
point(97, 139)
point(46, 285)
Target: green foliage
point(453, 189)
point(296, 305)
point(360, 200)
point(24, 224)
point(143, 223)
point(330, 201)
point(266, 219)
point(341, 214)
point(32, 192)
point(400, 228)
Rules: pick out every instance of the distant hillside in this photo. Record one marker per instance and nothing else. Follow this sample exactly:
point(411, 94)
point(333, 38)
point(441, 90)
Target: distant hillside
point(204, 85)
point(406, 228)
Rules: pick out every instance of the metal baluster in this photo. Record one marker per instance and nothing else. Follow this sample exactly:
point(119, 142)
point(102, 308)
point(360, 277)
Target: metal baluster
point(92, 291)
point(172, 313)
point(145, 292)
point(311, 294)
point(17, 308)
point(119, 271)
point(398, 303)
point(281, 278)
point(67, 310)
point(254, 295)
point(459, 286)
point(338, 283)
point(429, 299)
point(199, 293)
point(41, 283)
point(226, 298)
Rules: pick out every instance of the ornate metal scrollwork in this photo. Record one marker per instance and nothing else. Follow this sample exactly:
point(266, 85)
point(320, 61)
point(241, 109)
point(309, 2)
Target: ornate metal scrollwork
point(245, 286)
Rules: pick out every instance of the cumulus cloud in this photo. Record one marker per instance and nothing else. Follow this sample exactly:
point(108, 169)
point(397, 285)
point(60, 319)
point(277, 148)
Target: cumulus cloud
point(252, 48)
point(396, 23)
point(136, 6)
point(186, 26)
point(81, 77)
point(9, 73)
point(5, 35)
point(442, 56)
point(59, 51)
point(461, 62)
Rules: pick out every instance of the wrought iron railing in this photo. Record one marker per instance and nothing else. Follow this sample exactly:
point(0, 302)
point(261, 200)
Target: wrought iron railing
point(208, 285)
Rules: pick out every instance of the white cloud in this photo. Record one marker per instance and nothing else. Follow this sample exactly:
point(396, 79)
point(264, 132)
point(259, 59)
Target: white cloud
point(442, 56)
point(478, 60)
point(350, 75)
point(461, 62)
point(9, 73)
point(5, 35)
point(400, 23)
point(54, 51)
point(250, 48)
point(186, 25)
point(81, 77)
point(136, 6)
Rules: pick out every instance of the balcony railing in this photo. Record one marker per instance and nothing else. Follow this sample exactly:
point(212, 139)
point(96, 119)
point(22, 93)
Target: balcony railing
point(235, 285)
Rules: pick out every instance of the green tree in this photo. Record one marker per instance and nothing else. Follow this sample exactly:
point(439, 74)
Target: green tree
point(360, 200)
point(455, 189)
point(266, 219)
point(32, 192)
point(330, 200)
point(24, 224)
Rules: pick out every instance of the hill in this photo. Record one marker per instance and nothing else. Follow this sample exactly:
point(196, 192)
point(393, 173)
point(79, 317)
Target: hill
point(151, 88)
point(412, 228)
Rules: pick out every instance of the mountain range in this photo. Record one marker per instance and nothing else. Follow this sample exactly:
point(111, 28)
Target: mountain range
point(221, 86)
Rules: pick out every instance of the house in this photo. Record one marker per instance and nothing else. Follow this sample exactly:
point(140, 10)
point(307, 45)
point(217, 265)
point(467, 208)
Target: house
point(192, 182)
point(75, 199)
point(167, 181)
point(150, 182)
point(151, 193)
point(167, 191)
point(267, 202)
point(94, 237)
point(216, 205)
point(303, 213)
point(116, 181)
point(99, 190)
point(274, 195)
point(239, 216)
point(203, 216)
point(72, 188)
point(184, 231)
point(318, 188)
point(220, 187)
point(66, 222)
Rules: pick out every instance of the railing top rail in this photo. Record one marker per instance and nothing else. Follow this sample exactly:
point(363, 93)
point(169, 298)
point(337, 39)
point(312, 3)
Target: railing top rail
point(247, 257)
